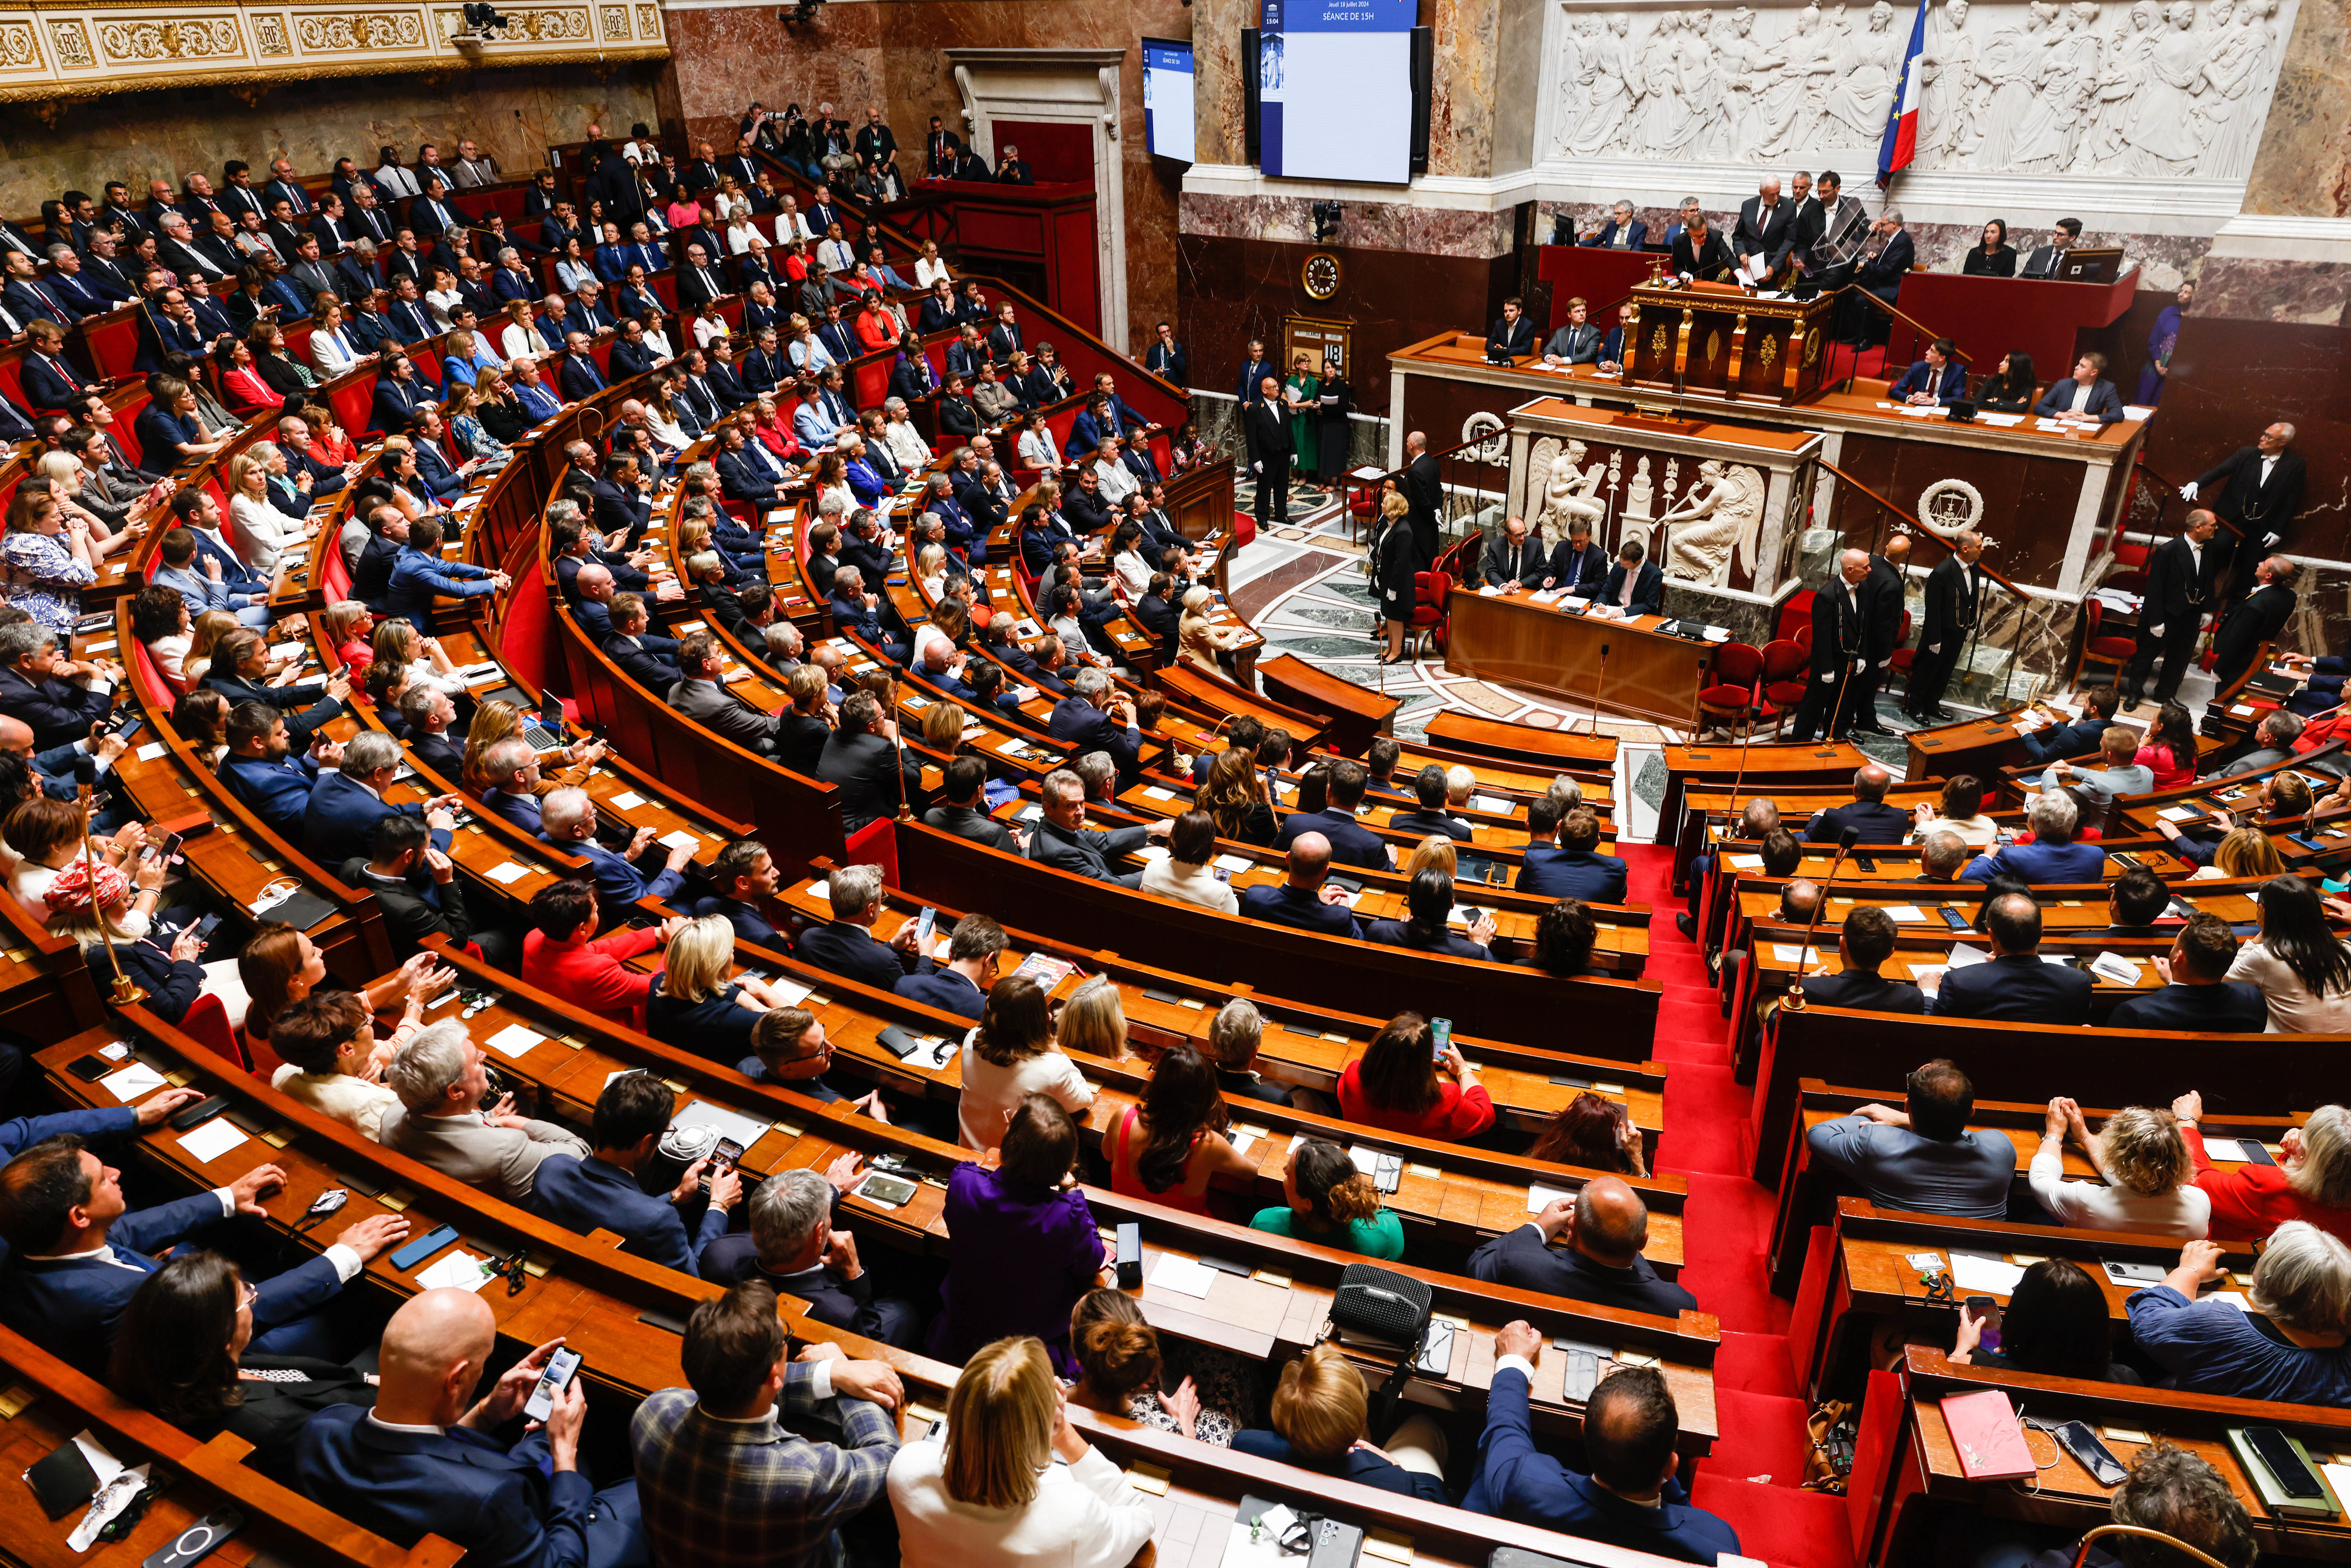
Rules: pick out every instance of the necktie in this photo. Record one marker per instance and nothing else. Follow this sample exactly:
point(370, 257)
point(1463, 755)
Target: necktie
point(71, 380)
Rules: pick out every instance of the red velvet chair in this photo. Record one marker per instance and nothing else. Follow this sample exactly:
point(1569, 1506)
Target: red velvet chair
point(875, 843)
point(207, 1025)
point(1429, 590)
point(2097, 647)
point(1787, 666)
point(1730, 701)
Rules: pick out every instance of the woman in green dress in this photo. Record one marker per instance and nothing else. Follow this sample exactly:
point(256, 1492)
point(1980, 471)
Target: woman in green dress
point(1301, 394)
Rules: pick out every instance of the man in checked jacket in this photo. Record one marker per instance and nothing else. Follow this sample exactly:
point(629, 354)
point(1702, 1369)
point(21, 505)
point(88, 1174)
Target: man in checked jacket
point(722, 1481)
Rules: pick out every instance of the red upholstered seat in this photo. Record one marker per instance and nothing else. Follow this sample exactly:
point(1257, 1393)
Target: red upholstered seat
point(2098, 646)
point(1786, 664)
point(1737, 668)
point(1430, 591)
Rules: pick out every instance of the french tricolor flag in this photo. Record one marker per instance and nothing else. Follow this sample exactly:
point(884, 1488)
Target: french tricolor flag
point(1901, 143)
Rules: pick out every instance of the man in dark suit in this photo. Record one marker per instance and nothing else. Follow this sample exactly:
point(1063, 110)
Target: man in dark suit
point(80, 1254)
point(2180, 574)
point(698, 282)
point(1879, 275)
point(1512, 336)
point(577, 375)
point(1877, 822)
point(1512, 562)
point(791, 1244)
point(2098, 706)
point(1576, 563)
point(2083, 393)
point(1577, 341)
point(339, 821)
point(2014, 986)
point(1098, 717)
point(1352, 843)
point(419, 1464)
point(1428, 789)
point(1881, 597)
point(865, 763)
point(2041, 260)
point(36, 687)
point(1699, 253)
point(1563, 858)
point(1761, 236)
point(1061, 840)
point(429, 713)
point(1953, 596)
point(1864, 944)
point(647, 668)
point(963, 807)
point(2198, 997)
point(417, 887)
point(1939, 381)
point(1632, 1497)
point(1271, 452)
point(601, 1191)
point(847, 946)
point(1839, 637)
point(1634, 585)
point(1605, 1227)
point(2261, 487)
point(1304, 899)
point(50, 383)
point(1623, 231)
point(2255, 619)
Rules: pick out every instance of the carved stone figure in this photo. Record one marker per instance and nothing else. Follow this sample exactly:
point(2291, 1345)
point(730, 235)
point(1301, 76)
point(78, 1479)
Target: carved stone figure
point(1568, 493)
point(1864, 80)
point(2011, 68)
point(2163, 132)
point(1945, 110)
point(1721, 515)
point(1743, 59)
point(2236, 50)
point(1607, 99)
point(2122, 72)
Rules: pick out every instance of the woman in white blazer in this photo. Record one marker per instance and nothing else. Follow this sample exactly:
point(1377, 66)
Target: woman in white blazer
point(332, 348)
point(261, 533)
point(1014, 1484)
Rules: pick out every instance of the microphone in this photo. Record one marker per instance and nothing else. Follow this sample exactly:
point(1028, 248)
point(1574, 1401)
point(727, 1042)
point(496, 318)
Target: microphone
point(1599, 682)
point(1845, 841)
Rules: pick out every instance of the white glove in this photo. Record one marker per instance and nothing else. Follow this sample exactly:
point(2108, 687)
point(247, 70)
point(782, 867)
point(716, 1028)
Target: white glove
point(2155, 630)
point(1934, 647)
point(1827, 678)
point(1257, 467)
point(2188, 491)
point(2269, 540)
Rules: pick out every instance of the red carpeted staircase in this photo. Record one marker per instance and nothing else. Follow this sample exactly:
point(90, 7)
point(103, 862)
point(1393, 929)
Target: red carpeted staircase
point(1751, 1478)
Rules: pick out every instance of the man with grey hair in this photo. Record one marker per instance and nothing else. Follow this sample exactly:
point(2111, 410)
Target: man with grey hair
point(1760, 817)
point(1940, 856)
point(847, 946)
point(2302, 1286)
point(793, 1246)
point(1099, 774)
point(1062, 840)
point(1234, 1036)
point(703, 696)
point(906, 443)
point(2053, 856)
point(1623, 231)
point(345, 805)
point(784, 645)
point(441, 1121)
point(2260, 487)
point(568, 821)
point(1096, 717)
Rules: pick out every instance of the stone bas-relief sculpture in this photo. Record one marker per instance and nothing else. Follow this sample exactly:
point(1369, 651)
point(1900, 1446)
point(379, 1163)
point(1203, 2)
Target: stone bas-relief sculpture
point(2147, 90)
point(1722, 513)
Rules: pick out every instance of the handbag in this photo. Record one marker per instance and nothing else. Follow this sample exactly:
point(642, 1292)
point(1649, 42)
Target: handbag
point(1829, 1433)
point(1381, 1309)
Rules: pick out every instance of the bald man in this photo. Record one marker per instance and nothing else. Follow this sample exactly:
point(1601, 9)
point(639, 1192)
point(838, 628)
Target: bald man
point(1605, 1227)
point(419, 1462)
point(1304, 899)
point(1866, 813)
point(1840, 673)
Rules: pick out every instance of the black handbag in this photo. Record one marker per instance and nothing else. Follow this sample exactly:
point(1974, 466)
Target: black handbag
point(1383, 1309)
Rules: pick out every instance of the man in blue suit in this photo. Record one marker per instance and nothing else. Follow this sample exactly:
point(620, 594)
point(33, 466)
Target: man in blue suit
point(79, 1255)
point(50, 383)
point(1635, 586)
point(602, 1191)
point(2015, 986)
point(568, 821)
point(961, 983)
point(1576, 563)
point(2083, 393)
point(2200, 998)
point(1571, 867)
point(846, 945)
point(578, 374)
point(1303, 900)
point(2085, 733)
point(656, 670)
point(418, 573)
point(400, 395)
point(1623, 231)
point(419, 1464)
point(1937, 380)
point(1097, 718)
point(345, 805)
point(261, 770)
point(1877, 822)
point(2052, 857)
point(1352, 843)
point(1630, 1499)
point(742, 875)
point(444, 479)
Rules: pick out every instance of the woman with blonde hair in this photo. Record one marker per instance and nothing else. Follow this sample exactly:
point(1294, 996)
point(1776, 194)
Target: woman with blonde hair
point(2309, 1182)
point(1322, 1413)
point(69, 481)
point(989, 1494)
point(1011, 1053)
point(1435, 852)
point(350, 625)
point(475, 443)
point(1396, 558)
point(928, 267)
point(494, 721)
point(2148, 1168)
point(942, 729)
point(209, 629)
point(1093, 1021)
point(262, 534)
point(695, 1006)
point(1200, 641)
point(931, 569)
point(2243, 852)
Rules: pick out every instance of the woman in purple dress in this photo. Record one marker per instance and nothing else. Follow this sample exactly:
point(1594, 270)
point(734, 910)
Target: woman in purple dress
point(1023, 1245)
point(2159, 344)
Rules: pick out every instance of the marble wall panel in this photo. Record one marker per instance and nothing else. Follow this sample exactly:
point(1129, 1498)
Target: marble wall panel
point(514, 113)
point(1364, 226)
point(1463, 79)
point(2303, 166)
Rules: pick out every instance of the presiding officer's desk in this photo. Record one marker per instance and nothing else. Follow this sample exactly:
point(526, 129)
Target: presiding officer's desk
point(1626, 667)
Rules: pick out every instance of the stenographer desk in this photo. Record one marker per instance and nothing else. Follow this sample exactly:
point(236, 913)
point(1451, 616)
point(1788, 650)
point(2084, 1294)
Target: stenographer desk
point(1627, 668)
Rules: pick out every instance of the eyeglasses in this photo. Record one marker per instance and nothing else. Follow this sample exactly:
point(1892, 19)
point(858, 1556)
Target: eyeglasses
point(248, 1293)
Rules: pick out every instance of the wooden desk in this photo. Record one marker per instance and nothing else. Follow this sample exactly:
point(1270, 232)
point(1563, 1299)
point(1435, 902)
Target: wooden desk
point(1354, 714)
point(1523, 744)
point(1719, 339)
point(1645, 675)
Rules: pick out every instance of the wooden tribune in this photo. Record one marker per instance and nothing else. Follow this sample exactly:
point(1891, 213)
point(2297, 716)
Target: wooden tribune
point(1718, 339)
point(1512, 639)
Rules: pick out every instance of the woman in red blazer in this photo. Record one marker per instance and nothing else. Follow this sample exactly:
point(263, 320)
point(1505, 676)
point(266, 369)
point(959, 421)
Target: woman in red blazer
point(562, 954)
point(2312, 1179)
point(1400, 1085)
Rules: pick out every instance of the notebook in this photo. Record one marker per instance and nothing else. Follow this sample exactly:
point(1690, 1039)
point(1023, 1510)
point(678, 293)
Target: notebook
point(1987, 1437)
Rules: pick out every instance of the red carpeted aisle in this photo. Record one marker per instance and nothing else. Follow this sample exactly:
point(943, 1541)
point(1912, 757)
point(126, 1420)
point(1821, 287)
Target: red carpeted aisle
point(1751, 1478)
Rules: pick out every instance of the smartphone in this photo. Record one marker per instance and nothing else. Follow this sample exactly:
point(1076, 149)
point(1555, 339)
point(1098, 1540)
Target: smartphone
point(2254, 1153)
point(1986, 1311)
point(725, 1158)
point(2293, 1477)
point(206, 928)
point(132, 724)
point(408, 1257)
point(553, 1382)
point(922, 924)
point(1440, 1036)
point(90, 1069)
point(1952, 917)
point(2093, 1455)
point(1865, 862)
point(164, 849)
point(889, 1190)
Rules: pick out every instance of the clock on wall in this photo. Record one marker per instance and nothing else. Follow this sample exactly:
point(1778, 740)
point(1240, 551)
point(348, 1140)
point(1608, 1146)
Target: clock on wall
point(1320, 275)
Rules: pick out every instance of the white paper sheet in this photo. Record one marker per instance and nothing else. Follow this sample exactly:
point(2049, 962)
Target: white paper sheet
point(135, 1082)
point(2116, 968)
point(744, 1130)
point(1981, 1273)
point(1789, 953)
point(1540, 1197)
point(820, 891)
point(683, 838)
point(213, 1139)
point(516, 1040)
point(458, 1271)
point(154, 749)
point(2230, 1149)
point(626, 801)
point(1966, 958)
point(2179, 813)
point(507, 872)
point(1905, 914)
point(1185, 1276)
